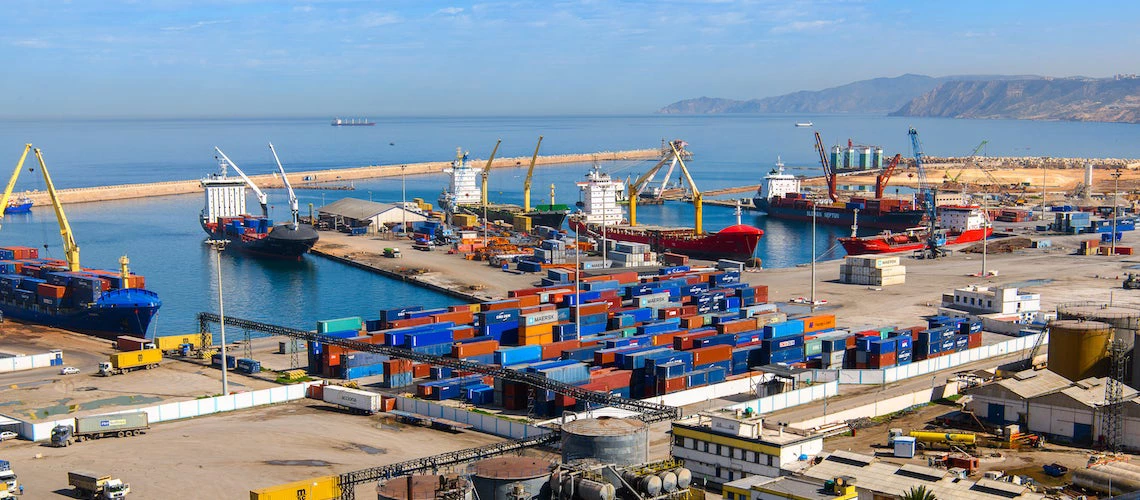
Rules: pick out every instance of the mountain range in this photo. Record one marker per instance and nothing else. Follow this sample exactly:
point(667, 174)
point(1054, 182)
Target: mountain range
point(1029, 97)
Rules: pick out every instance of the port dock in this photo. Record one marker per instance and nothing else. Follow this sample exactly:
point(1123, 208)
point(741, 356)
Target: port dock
point(317, 177)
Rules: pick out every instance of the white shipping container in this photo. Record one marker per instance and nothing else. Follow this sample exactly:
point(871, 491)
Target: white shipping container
point(873, 262)
point(655, 300)
point(540, 318)
point(356, 399)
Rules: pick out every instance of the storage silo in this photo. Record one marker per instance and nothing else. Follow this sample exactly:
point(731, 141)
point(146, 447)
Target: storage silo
point(878, 159)
point(852, 157)
point(497, 478)
point(1078, 349)
point(836, 157)
point(1125, 321)
point(865, 158)
point(422, 487)
point(619, 441)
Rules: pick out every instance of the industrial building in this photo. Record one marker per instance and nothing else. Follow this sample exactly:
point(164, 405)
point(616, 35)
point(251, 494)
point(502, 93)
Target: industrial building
point(1047, 403)
point(787, 487)
point(721, 447)
point(975, 301)
point(876, 479)
point(351, 212)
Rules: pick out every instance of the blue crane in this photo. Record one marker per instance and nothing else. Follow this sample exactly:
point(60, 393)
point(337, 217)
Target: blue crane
point(935, 239)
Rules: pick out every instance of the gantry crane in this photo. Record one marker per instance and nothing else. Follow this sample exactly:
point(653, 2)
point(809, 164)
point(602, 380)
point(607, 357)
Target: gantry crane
point(529, 175)
point(885, 176)
point(828, 171)
point(70, 248)
point(935, 241)
point(12, 181)
point(487, 170)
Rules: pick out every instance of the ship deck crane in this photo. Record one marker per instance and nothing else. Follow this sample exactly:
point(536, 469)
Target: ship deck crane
point(12, 181)
point(828, 171)
point(697, 197)
point(883, 178)
point(262, 198)
point(70, 248)
point(293, 208)
point(934, 240)
point(672, 156)
point(487, 170)
point(529, 176)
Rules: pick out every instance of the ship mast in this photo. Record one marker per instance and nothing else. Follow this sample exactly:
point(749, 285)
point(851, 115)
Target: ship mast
point(261, 197)
point(292, 195)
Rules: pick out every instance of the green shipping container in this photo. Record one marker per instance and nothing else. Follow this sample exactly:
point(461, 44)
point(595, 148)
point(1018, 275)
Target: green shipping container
point(813, 347)
point(336, 325)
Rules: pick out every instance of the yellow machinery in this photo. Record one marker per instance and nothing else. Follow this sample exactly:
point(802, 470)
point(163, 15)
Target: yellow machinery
point(321, 488)
point(1079, 349)
point(529, 174)
point(634, 189)
point(12, 181)
point(487, 170)
point(944, 437)
point(632, 204)
point(699, 215)
point(70, 248)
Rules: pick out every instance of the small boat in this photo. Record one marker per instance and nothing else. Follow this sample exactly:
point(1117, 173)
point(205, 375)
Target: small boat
point(352, 122)
point(22, 205)
point(803, 124)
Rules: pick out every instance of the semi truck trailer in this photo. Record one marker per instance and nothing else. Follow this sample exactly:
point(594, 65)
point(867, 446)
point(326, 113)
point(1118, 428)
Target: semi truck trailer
point(124, 362)
point(98, 426)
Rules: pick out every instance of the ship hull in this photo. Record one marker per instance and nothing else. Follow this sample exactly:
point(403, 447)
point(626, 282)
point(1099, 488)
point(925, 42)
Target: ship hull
point(22, 208)
point(282, 242)
point(895, 221)
point(126, 311)
point(734, 243)
point(880, 244)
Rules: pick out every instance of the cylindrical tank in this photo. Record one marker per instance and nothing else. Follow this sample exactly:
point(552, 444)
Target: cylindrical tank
point(1078, 349)
point(619, 441)
point(422, 488)
point(495, 478)
point(647, 484)
point(1125, 321)
point(592, 490)
point(1121, 469)
point(943, 437)
point(684, 478)
point(1100, 481)
point(668, 481)
point(878, 160)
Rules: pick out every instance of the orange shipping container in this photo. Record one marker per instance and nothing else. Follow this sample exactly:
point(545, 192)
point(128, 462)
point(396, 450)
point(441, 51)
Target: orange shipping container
point(474, 348)
point(499, 305)
point(554, 350)
point(463, 333)
point(529, 300)
point(400, 323)
point(420, 370)
point(740, 325)
point(536, 330)
point(457, 317)
point(537, 339)
point(665, 338)
point(691, 322)
point(711, 354)
point(819, 323)
point(387, 403)
point(53, 291)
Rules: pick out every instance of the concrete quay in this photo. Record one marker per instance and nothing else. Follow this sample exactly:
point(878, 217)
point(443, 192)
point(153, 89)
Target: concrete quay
point(268, 181)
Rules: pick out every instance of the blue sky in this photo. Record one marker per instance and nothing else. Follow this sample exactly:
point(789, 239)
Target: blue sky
point(318, 58)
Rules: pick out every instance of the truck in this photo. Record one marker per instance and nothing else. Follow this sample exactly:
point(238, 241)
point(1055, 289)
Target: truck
point(8, 479)
point(354, 399)
point(97, 486)
point(173, 344)
point(95, 427)
point(124, 362)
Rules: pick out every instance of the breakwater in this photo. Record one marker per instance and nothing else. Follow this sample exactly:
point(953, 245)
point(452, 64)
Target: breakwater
point(269, 181)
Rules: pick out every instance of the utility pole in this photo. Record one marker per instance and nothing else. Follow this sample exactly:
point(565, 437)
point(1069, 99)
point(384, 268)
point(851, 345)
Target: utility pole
point(219, 246)
point(578, 285)
point(1044, 171)
point(813, 212)
point(1115, 190)
point(404, 199)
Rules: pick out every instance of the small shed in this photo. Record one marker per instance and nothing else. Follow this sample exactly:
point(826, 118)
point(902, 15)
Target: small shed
point(352, 212)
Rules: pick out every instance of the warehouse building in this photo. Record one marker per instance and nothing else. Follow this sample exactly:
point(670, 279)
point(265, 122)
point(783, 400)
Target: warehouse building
point(974, 301)
point(787, 487)
point(721, 447)
point(1049, 404)
point(377, 217)
point(874, 480)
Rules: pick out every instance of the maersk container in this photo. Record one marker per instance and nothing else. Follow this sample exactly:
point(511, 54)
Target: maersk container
point(515, 355)
point(781, 343)
point(785, 329)
point(332, 325)
point(354, 399)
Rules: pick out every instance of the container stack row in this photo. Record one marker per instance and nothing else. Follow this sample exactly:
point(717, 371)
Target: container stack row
point(872, 270)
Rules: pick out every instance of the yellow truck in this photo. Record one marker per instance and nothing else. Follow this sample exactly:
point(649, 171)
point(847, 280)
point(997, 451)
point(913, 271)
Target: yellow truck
point(173, 343)
point(124, 362)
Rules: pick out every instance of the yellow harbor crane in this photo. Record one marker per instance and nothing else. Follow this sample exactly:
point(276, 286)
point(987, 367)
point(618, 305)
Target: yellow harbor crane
point(698, 225)
point(12, 181)
point(487, 170)
point(70, 248)
point(529, 175)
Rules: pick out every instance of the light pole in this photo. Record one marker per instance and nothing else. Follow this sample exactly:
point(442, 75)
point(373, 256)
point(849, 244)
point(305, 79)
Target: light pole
point(577, 285)
point(813, 212)
point(219, 246)
point(1044, 171)
point(1115, 190)
point(403, 199)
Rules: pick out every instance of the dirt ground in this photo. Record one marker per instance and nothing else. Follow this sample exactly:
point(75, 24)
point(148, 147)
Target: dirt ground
point(225, 456)
point(1057, 179)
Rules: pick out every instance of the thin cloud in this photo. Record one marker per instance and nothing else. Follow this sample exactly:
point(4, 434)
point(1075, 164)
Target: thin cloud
point(801, 26)
point(32, 43)
point(199, 24)
point(374, 19)
point(449, 11)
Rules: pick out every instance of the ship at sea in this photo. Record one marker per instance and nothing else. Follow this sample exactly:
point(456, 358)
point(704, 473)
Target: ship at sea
point(957, 224)
point(601, 217)
point(21, 205)
point(780, 197)
point(464, 195)
point(224, 216)
point(63, 294)
point(352, 122)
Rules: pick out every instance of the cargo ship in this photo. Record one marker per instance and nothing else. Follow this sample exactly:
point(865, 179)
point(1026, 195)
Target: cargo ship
point(463, 195)
point(958, 225)
point(600, 210)
point(352, 122)
point(224, 216)
point(22, 205)
point(780, 198)
point(62, 294)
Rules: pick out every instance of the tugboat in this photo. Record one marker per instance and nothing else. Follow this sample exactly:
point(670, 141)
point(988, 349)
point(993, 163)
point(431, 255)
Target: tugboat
point(224, 216)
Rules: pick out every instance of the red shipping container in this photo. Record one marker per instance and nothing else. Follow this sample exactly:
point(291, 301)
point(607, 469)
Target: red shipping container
point(884, 360)
point(457, 317)
point(612, 303)
point(591, 308)
point(529, 300)
point(469, 349)
point(395, 366)
point(331, 360)
point(463, 333)
point(819, 322)
point(668, 312)
point(424, 391)
point(387, 403)
point(974, 340)
point(52, 291)
point(462, 307)
point(564, 401)
point(614, 379)
point(585, 343)
point(684, 341)
point(400, 323)
point(420, 370)
point(604, 358)
point(499, 305)
point(668, 385)
point(554, 350)
point(129, 343)
point(688, 310)
point(711, 354)
point(760, 293)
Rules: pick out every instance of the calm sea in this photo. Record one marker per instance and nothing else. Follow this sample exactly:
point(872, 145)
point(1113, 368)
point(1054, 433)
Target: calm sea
point(164, 242)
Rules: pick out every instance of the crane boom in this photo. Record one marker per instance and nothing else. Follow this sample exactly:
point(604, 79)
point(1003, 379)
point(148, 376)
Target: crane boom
point(828, 171)
point(487, 170)
point(529, 175)
point(12, 181)
point(697, 197)
point(261, 196)
point(293, 208)
point(882, 179)
point(70, 248)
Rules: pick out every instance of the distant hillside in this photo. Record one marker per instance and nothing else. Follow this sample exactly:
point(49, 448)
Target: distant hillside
point(1078, 99)
point(878, 95)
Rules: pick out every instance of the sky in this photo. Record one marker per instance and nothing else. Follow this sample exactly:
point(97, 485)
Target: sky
point(171, 58)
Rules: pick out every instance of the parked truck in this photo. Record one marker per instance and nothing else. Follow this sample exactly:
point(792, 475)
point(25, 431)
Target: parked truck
point(177, 344)
point(124, 362)
point(8, 479)
point(97, 486)
point(95, 427)
point(354, 399)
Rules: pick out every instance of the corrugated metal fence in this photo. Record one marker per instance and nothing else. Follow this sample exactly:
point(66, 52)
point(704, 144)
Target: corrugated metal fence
point(482, 422)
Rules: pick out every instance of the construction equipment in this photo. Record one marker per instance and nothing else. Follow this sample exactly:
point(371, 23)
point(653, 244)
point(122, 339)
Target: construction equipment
point(828, 169)
point(97, 486)
point(487, 171)
point(12, 180)
point(697, 197)
point(935, 239)
point(884, 177)
point(672, 157)
point(529, 175)
point(70, 248)
point(1132, 282)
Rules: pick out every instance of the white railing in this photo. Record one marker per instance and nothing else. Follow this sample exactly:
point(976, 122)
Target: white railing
point(480, 421)
point(789, 399)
